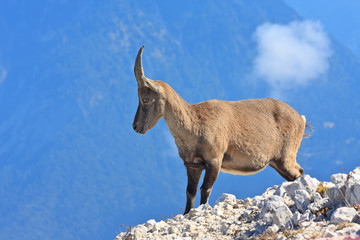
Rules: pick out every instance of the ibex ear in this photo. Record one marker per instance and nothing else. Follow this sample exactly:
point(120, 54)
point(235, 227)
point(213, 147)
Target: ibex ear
point(140, 76)
point(152, 85)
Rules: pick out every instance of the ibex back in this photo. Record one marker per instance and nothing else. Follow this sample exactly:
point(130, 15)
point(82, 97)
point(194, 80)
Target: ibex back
point(240, 137)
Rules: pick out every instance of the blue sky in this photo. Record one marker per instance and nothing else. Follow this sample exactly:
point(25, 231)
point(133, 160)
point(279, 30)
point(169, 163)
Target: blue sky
point(71, 166)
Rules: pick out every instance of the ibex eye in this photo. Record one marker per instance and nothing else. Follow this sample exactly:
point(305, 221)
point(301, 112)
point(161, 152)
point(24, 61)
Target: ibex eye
point(145, 100)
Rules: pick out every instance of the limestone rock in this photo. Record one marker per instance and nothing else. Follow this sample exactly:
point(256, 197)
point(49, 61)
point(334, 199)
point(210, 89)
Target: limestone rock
point(296, 218)
point(150, 223)
point(316, 206)
point(226, 198)
point(336, 195)
point(338, 178)
point(343, 214)
point(302, 200)
point(258, 201)
point(194, 212)
point(279, 212)
point(293, 210)
point(351, 230)
point(352, 193)
point(172, 230)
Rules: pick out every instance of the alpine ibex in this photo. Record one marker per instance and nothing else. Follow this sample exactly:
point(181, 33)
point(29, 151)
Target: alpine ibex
point(240, 137)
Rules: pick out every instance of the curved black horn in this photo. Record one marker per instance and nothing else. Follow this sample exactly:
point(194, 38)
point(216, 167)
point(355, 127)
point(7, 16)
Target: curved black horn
point(139, 73)
point(138, 69)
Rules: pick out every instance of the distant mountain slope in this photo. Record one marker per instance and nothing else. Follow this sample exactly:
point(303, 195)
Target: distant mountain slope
point(72, 167)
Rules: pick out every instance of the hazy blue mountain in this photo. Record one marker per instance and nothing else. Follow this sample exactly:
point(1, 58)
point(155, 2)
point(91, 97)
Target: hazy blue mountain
point(71, 167)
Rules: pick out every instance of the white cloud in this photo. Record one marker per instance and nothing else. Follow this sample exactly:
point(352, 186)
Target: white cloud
point(291, 55)
point(338, 162)
point(3, 74)
point(121, 36)
point(350, 140)
point(328, 124)
point(159, 54)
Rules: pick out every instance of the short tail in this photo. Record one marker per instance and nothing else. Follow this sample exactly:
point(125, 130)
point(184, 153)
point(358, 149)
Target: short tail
point(308, 128)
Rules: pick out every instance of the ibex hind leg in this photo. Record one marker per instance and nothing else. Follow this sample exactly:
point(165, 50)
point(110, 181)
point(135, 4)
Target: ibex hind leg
point(289, 170)
point(286, 164)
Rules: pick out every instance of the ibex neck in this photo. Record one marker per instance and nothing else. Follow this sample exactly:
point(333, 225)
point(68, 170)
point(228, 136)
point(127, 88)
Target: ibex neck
point(179, 115)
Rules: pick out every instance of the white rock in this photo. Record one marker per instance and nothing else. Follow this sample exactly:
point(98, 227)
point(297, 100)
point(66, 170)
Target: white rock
point(150, 223)
point(343, 214)
point(254, 208)
point(328, 233)
point(350, 231)
point(171, 221)
point(178, 217)
point(338, 178)
point(353, 178)
point(228, 207)
point(172, 230)
point(328, 184)
point(194, 212)
point(266, 219)
point(281, 191)
point(191, 227)
point(271, 204)
point(307, 216)
point(310, 184)
point(352, 184)
point(200, 220)
point(186, 235)
point(317, 205)
point(224, 226)
point(273, 228)
point(246, 213)
point(303, 183)
point(232, 229)
point(159, 226)
point(258, 201)
point(227, 198)
point(270, 191)
point(237, 205)
point(304, 217)
point(248, 201)
point(354, 175)
point(289, 201)
point(218, 210)
point(296, 218)
point(302, 200)
point(336, 195)
point(315, 196)
point(304, 224)
point(204, 207)
point(281, 214)
point(352, 193)
point(268, 213)
point(139, 232)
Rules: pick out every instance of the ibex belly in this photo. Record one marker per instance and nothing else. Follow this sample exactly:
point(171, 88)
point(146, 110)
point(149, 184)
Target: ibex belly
point(242, 164)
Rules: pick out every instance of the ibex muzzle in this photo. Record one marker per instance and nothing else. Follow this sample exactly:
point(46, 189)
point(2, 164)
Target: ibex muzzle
point(240, 137)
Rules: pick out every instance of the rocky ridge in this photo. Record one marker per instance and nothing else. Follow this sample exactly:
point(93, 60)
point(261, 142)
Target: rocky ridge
point(303, 209)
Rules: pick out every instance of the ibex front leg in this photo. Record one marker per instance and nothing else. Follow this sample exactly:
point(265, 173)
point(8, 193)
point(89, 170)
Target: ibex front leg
point(211, 174)
point(194, 175)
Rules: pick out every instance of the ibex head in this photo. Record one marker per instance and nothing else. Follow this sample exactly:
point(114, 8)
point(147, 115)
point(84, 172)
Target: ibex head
point(151, 101)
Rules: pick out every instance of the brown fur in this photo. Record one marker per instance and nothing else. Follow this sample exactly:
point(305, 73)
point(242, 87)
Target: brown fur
point(240, 137)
